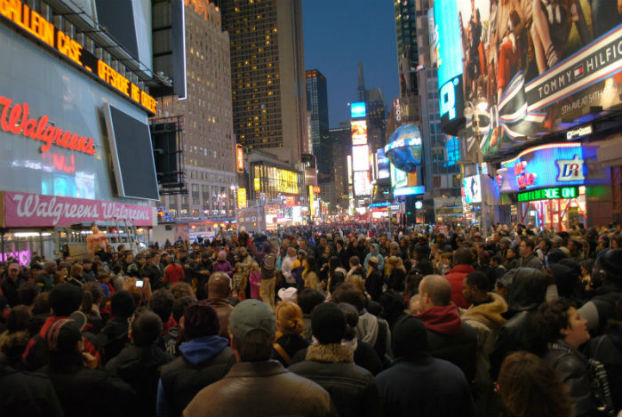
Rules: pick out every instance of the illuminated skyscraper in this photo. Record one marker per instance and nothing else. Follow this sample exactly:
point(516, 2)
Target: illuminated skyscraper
point(267, 75)
point(318, 100)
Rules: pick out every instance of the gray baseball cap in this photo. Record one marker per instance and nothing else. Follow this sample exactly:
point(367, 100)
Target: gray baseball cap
point(251, 315)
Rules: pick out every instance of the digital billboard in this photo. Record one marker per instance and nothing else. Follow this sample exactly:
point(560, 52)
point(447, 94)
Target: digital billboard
point(472, 189)
point(360, 158)
point(359, 132)
point(532, 68)
point(382, 162)
point(358, 110)
point(362, 184)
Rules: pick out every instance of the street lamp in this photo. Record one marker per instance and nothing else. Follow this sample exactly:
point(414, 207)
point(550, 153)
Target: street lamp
point(474, 111)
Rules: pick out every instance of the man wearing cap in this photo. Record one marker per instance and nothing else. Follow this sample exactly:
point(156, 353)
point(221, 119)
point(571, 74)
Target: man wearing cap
point(331, 365)
point(257, 385)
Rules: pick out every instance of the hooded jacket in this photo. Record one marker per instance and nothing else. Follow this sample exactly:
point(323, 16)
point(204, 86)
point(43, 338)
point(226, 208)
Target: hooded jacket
point(377, 254)
point(352, 388)
point(455, 276)
point(203, 361)
point(449, 338)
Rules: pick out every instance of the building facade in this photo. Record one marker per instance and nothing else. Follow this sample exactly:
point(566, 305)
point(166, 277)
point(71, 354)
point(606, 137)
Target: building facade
point(268, 75)
point(205, 116)
point(318, 102)
point(337, 192)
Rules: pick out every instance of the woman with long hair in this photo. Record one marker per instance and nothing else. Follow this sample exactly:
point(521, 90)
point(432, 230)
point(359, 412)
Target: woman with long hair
point(289, 327)
point(310, 274)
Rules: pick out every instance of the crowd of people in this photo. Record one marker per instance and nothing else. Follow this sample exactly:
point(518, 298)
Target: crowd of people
point(321, 321)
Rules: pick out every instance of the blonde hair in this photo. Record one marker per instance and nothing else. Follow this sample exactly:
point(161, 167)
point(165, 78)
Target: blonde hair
point(288, 318)
point(357, 281)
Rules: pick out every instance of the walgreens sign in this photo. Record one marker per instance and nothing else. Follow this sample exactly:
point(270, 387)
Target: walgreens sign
point(35, 210)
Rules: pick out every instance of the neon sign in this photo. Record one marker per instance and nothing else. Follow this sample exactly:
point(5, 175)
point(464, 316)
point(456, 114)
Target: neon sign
point(552, 193)
point(17, 121)
point(570, 169)
point(38, 27)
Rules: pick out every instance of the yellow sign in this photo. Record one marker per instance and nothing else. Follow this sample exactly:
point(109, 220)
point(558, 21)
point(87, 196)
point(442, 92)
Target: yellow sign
point(311, 202)
point(242, 198)
point(37, 26)
point(257, 184)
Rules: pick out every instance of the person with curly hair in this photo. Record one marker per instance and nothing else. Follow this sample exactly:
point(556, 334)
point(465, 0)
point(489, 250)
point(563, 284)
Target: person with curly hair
point(289, 326)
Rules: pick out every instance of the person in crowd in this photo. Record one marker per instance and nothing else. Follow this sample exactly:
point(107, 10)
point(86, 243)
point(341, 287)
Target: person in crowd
point(396, 278)
point(418, 383)
point(307, 300)
point(373, 280)
point(268, 275)
point(82, 390)
point(448, 336)
point(310, 274)
point(330, 364)
point(254, 280)
point(485, 315)
point(45, 280)
point(528, 386)
point(604, 300)
point(565, 331)
point(170, 340)
point(511, 258)
point(92, 299)
point(355, 267)
point(161, 302)
point(526, 292)
point(287, 265)
point(222, 264)
point(528, 258)
point(463, 265)
point(289, 326)
point(256, 385)
point(153, 271)
point(374, 251)
point(114, 335)
point(219, 291)
point(173, 273)
point(205, 357)
point(139, 362)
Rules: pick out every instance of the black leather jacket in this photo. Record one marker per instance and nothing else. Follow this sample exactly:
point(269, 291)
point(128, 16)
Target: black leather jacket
point(574, 371)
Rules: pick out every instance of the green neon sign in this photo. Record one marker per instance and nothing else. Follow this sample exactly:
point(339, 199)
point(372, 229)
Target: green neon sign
point(552, 193)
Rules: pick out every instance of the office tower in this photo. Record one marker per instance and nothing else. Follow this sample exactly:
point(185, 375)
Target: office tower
point(441, 152)
point(267, 75)
point(337, 191)
point(318, 100)
point(406, 40)
point(205, 118)
point(375, 111)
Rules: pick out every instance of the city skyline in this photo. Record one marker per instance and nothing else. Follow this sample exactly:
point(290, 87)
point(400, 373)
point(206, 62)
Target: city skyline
point(354, 31)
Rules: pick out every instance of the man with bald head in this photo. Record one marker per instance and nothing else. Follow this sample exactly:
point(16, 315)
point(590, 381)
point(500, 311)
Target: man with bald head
point(448, 337)
point(218, 292)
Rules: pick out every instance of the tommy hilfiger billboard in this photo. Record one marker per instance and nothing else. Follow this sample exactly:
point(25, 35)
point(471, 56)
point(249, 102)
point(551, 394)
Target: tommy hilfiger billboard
point(529, 68)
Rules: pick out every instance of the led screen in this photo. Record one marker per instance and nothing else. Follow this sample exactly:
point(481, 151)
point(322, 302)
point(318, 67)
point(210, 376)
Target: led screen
point(362, 184)
point(358, 110)
point(360, 158)
point(132, 155)
point(383, 165)
point(359, 132)
point(472, 189)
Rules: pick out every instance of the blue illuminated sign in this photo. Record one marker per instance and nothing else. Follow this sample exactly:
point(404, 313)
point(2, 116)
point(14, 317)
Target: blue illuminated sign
point(554, 165)
point(448, 51)
point(419, 189)
point(452, 148)
point(358, 110)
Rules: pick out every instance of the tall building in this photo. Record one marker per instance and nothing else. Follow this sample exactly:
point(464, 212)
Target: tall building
point(375, 111)
point(267, 75)
point(406, 40)
point(205, 117)
point(441, 152)
point(318, 100)
point(337, 192)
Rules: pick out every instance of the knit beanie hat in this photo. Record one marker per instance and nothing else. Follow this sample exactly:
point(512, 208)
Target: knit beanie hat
point(611, 263)
point(328, 323)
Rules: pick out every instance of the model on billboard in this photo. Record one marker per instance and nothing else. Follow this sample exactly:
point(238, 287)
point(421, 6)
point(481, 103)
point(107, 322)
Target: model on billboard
point(537, 63)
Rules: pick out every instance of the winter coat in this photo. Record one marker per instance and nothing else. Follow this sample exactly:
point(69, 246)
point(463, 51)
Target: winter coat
point(27, 394)
point(422, 385)
point(291, 344)
point(261, 389)
point(352, 389)
point(222, 266)
point(203, 361)
point(223, 310)
point(451, 339)
point(456, 276)
point(574, 371)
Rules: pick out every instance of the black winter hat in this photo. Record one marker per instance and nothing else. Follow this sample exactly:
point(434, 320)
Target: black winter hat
point(409, 336)
point(611, 263)
point(65, 299)
point(122, 304)
point(328, 323)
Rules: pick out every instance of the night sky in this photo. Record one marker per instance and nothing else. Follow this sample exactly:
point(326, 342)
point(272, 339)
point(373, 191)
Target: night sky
point(339, 34)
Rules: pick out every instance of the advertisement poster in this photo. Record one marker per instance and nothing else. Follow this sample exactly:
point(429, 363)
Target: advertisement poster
point(529, 67)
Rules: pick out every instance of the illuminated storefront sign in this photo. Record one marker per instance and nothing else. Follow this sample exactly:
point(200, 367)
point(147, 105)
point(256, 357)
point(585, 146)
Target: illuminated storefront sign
point(242, 198)
point(545, 166)
point(472, 189)
point(362, 184)
point(358, 110)
point(359, 132)
point(577, 133)
point(311, 201)
point(275, 180)
point(416, 190)
point(552, 193)
point(18, 122)
point(239, 158)
point(34, 24)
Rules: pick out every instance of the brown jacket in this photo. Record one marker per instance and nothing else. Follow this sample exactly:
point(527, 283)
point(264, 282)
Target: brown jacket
point(223, 310)
point(261, 389)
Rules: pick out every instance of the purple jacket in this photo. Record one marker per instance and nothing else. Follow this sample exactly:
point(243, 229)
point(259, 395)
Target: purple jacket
point(222, 266)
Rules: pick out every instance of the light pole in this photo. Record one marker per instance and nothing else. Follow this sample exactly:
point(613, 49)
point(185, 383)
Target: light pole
point(474, 111)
